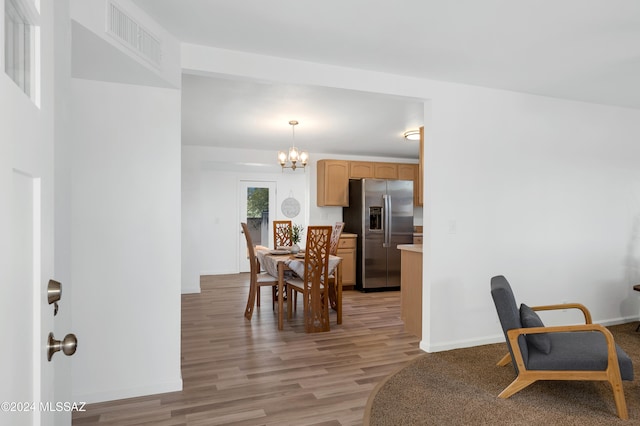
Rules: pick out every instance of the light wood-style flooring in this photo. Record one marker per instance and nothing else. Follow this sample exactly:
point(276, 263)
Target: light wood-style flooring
point(240, 372)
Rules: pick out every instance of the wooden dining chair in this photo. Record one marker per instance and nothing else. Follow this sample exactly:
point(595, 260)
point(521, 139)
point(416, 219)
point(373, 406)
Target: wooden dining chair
point(335, 241)
point(335, 237)
point(282, 233)
point(315, 294)
point(333, 251)
point(258, 279)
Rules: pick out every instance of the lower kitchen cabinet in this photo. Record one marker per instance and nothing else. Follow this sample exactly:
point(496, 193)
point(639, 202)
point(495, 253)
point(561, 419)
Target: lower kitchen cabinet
point(347, 251)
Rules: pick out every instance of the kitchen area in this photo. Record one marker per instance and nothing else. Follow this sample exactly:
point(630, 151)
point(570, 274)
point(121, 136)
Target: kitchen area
point(382, 240)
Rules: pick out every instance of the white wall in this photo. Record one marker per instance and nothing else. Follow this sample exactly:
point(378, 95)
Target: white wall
point(541, 190)
point(191, 213)
point(125, 239)
point(110, 60)
point(123, 209)
point(211, 198)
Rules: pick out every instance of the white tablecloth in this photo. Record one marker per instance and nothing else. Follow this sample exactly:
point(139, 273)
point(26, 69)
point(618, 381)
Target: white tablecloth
point(269, 263)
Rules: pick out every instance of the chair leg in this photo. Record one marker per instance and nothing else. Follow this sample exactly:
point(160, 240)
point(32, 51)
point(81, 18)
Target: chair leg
point(505, 360)
point(274, 298)
point(289, 307)
point(251, 300)
point(618, 397)
point(516, 386)
point(258, 296)
point(333, 303)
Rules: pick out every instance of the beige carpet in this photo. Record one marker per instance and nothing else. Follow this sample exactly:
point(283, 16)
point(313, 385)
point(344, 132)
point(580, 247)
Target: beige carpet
point(460, 387)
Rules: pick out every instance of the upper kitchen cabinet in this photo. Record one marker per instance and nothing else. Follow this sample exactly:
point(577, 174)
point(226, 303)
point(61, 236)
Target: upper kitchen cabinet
point(334, 175)
point(385, 170)
point(407, 171)
point(421, 168)
point(410, 172)
point(333, 183)
point(372, 170)
point(361, 170)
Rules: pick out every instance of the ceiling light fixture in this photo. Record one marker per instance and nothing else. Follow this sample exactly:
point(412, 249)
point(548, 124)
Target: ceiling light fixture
point(412, 135)
point(294, 156)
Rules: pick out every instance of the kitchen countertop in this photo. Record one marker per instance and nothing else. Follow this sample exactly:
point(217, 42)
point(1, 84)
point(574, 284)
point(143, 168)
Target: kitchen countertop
point(411, 247)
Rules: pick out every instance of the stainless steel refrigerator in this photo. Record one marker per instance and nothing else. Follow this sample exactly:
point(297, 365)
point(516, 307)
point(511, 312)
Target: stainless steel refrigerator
point(380, 212)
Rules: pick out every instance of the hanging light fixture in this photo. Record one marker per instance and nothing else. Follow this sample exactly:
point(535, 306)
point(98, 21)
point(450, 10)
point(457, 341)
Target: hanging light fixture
point(295, 159)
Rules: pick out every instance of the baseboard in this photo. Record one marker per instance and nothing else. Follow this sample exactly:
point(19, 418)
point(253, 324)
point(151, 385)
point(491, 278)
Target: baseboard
point(459, 344)
point(114, 394)
point(499, 338)
point(616, 321)
point(220, 272)
point(191, 290)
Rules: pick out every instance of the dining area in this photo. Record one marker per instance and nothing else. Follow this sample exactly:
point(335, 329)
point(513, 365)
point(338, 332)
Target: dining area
point(314, 273)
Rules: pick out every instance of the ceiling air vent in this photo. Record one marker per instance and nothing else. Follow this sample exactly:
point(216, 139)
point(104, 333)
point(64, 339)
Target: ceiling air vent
point(133, 35)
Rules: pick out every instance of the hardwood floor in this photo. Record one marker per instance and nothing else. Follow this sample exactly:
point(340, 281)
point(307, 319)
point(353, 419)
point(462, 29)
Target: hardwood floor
point(243, 372)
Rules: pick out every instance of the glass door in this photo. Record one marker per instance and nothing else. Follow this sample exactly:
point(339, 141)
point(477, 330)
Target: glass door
point(257, 210)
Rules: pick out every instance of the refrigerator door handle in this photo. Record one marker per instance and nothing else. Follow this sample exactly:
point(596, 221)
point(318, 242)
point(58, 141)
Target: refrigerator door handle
point(386, 220)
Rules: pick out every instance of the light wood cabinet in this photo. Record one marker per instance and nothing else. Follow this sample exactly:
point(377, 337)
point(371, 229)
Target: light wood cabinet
point(421, 168)
point(361, 170)
point(411, 288)
point(385, 170)
point(407, 171)
point(333, 183)
point(333, 178)
point(410, 172)
point(347, 251)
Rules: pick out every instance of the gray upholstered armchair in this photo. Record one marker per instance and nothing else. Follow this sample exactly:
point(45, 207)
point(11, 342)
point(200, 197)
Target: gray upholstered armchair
point(572, 352)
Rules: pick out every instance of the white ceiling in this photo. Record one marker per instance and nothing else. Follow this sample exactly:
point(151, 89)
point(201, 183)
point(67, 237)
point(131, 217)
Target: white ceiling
point(587, 50)
point(256, 115)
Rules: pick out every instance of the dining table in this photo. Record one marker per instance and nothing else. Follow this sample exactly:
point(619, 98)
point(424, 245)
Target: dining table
point(280, 262)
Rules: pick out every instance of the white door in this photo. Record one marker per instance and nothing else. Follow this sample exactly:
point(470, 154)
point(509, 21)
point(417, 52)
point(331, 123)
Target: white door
point(27, 382)
point(20, 305)
point(28, 391)
point(257, 209)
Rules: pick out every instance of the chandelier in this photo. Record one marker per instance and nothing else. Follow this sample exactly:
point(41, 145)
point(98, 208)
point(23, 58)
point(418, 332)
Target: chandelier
point(295, 159)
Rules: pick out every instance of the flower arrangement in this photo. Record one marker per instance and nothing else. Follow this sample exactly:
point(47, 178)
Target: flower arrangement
point(296, 233)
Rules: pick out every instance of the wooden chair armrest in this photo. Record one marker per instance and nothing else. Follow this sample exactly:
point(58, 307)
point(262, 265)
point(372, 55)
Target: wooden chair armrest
point(514, 333)
point(585, 311)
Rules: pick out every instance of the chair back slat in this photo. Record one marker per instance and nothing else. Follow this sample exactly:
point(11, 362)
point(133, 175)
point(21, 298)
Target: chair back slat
point(335, 237)
point(251, 253)
point(316, 274)
point(282, 233)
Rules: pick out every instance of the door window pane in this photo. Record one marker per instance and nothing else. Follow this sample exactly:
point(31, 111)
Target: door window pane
point(258, 215)
point(20, 45)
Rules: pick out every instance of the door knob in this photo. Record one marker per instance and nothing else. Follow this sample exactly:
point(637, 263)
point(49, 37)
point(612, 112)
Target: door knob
point(68, 345)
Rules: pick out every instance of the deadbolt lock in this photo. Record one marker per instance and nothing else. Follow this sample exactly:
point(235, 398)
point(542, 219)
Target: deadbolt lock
point(68, 345)
point(54, 292)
